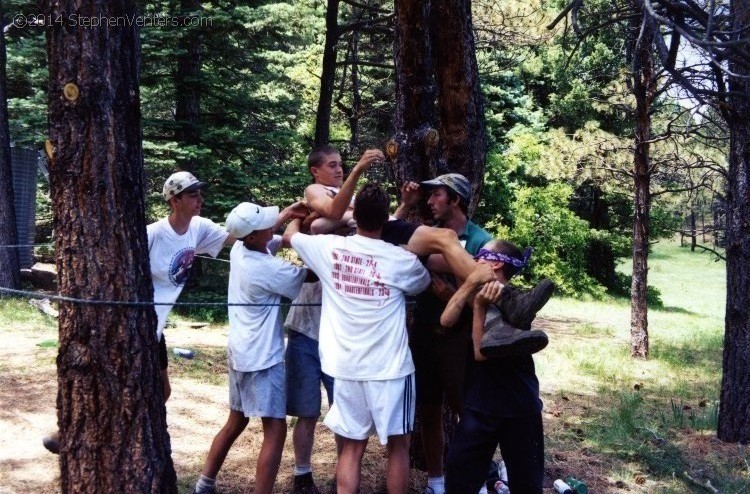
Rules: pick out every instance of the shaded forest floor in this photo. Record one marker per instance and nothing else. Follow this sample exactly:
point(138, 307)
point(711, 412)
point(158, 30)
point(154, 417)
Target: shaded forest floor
point(621, 425)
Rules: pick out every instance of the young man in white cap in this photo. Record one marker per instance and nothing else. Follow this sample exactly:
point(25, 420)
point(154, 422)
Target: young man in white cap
point(173, 243)
point(256, 339)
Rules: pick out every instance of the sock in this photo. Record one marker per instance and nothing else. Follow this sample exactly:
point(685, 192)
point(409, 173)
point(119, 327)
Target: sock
point(302, 469)
point(437, 484)
point(204, 484)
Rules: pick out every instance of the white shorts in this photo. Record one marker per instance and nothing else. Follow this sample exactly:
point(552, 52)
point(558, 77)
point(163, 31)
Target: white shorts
point(361, 408)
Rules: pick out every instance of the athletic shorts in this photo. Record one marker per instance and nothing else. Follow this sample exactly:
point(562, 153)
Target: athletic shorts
point(303, 376)
point(162, 352)
point(258, 393)
point(362, 408)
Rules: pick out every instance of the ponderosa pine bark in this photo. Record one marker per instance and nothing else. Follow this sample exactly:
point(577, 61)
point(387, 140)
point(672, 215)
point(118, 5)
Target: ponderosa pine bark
point(463, 133)
point(9, 274)
point(111, 413)
point(644, 90)
point(734, 409)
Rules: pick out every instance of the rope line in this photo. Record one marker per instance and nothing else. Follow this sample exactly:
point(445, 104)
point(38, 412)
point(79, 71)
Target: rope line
point(81, 301)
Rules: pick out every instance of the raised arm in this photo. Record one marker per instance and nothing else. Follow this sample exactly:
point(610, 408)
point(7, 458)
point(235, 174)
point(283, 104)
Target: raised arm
point(333, 208)
point(410, 196)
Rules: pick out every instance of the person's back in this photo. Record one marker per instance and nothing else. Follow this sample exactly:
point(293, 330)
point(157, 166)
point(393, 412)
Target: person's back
point(364, 281)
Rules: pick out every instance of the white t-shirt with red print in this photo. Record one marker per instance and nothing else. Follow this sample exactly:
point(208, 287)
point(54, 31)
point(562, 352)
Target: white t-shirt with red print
point(363, 317)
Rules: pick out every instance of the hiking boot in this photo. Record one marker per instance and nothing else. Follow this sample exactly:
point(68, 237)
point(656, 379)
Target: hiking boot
point(52, 442)
point(304, 484)
point(503, 340)
point(519, 307)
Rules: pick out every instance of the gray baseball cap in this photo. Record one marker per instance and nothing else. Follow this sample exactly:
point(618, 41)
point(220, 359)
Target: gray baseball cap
point(454, 181)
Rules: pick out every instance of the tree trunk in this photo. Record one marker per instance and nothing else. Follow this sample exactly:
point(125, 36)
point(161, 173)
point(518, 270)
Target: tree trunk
point(734, 410)
point(111, 414)
point(414, 118)
point(9, 274)
point(327, 76)
point(463, 135)
point(644, 88)
point(188, 89)
point(693, 232)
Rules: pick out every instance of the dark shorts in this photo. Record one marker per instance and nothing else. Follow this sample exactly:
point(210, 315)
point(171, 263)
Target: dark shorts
point(398, 232)
point(440, 361)
point(304, 376)
point(162, 352)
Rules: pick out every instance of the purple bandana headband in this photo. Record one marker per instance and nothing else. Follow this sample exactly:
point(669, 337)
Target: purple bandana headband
point(497, 257)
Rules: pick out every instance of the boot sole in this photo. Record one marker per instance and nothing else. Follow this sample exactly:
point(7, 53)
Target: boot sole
point(524, 344)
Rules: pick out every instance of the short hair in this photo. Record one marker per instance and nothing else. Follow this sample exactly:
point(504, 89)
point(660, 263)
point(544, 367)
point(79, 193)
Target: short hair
point(371, 207)
point(509, 249)
point(317, 155)
point(453, 195)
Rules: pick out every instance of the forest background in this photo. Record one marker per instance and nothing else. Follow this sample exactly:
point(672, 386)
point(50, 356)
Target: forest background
point(233, 96)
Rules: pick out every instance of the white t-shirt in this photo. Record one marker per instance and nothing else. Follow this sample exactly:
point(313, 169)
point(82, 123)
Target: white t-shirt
point(304, 314)
point(256, 333)
point(363, 318)
point(172, 256)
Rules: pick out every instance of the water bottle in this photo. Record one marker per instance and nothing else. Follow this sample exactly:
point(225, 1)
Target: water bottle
point(578, 486)
point(561, 487)
point(184, 353)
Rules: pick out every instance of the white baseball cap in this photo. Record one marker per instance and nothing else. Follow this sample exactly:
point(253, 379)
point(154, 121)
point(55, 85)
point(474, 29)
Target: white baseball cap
point(248, 217)
point(180, 182)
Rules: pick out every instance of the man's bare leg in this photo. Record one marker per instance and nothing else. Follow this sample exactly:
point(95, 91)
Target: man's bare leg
point(427, 240)
point(349, 466)
point(303, 439)
point(269, 459)
point(397, 470)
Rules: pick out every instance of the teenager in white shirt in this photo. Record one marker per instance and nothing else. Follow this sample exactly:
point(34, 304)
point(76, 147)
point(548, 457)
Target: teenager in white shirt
point(173, 243)
point(256, 339)
point(363, 341)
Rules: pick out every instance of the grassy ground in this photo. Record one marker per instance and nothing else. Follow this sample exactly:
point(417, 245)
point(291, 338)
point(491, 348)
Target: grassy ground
point(621, 425)
point(643, 425)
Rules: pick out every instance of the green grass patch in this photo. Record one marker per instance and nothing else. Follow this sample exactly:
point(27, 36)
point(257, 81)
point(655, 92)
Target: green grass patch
point(17, 314)
point(208, 365)
point(636, 413)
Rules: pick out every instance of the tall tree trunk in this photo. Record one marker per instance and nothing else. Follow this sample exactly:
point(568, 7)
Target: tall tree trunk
point(693, 232)
point(414, 117)
point(188, 88)
point(644, 88)
point(9, 274)
point(111, 413)
point(327, 76)
point(734, 410)
point(463, 134)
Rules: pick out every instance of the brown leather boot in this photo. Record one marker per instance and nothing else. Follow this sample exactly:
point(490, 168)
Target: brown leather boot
point(503, 340)
point(519, 307)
